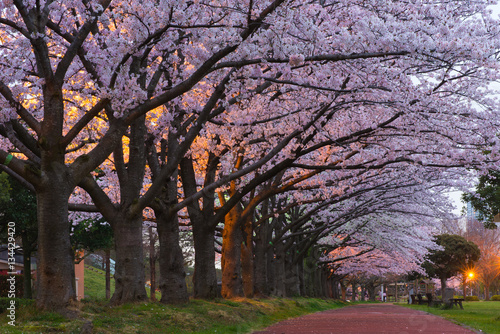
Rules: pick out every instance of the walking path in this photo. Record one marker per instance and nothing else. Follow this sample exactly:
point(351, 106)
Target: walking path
point(369, 319)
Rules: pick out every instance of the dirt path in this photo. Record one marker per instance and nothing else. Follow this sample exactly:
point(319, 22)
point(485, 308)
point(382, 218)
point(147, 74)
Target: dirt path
point(367, 318)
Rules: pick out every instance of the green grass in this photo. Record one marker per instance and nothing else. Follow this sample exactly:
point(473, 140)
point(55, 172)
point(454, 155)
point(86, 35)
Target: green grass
point(95, 284)
point(198, 316)
point(484, 316)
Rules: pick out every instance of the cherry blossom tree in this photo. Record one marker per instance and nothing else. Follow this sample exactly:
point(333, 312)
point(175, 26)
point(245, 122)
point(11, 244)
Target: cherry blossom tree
point(407, 83)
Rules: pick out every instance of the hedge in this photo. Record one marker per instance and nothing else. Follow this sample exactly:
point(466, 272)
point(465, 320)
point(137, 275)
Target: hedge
point(5, 285)
point(495, 298)
point(471, 298)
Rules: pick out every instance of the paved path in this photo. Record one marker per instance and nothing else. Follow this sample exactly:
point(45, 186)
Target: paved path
point(369, 319)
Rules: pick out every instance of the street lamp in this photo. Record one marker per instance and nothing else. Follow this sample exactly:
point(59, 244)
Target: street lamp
point(470, 274)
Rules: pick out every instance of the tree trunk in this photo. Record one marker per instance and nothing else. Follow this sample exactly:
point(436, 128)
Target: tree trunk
point(231, 256)
point(324, 284)
point(130, 279)
point(27, 293)
point(271, 271)
point(486, 292)
point(302, 283)
point(108, 272)
point(371, 292)
point(280, 269)
point(343, 288)
point(292, 285)
point(172, 275)
point(443, 287)
point(317, 283)
point(205, 275)
point(152, 265)
point(129, 265)
point(261, 287)
point(55, 256)
point(464, 285)
point(247, 258)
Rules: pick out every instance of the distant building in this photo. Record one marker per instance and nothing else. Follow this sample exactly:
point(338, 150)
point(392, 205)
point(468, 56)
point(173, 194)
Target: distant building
point(472, 214)
point(19, 268)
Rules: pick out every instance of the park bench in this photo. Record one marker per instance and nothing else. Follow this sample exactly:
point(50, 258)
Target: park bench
point(456, 301)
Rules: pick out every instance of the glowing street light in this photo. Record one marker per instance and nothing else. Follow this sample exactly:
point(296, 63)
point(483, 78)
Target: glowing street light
point(470, 275)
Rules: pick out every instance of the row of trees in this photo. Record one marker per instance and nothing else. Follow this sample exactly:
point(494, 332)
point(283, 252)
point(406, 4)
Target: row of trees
point(278, 129)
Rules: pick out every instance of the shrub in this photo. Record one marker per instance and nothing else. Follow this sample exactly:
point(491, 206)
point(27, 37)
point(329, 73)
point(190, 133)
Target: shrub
point(495, 298)
point(5, 285)
point(471, 298)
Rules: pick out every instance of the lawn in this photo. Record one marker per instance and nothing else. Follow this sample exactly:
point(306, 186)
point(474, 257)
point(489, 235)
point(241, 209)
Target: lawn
point(95, 283)
point(484, 316)
point(199, 316)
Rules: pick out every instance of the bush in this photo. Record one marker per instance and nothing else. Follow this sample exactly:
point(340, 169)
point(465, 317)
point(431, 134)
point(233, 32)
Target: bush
point(495, 298)
point(5, 285)
point(19, 302)
point(471, 298)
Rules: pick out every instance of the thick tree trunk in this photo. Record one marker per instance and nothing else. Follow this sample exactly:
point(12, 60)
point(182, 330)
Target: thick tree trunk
point(205, 275)
point(130, 279)
point(261, 287)
point(292, 285)
point(55, 257)
point(344, 291)
point(280, 269)
point(231, 256)
point(271, 270)
point(318, 283)
point(371, 292)
point(335, 289)
point(247, 259)
point(129, 266)
point(172, 275)
point(324, 284)
point(308, 277)
point(302, 283)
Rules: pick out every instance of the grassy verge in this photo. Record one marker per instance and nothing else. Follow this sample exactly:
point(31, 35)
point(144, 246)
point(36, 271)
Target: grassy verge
point(199, 316)
point(483, 316)
point(219, 316)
